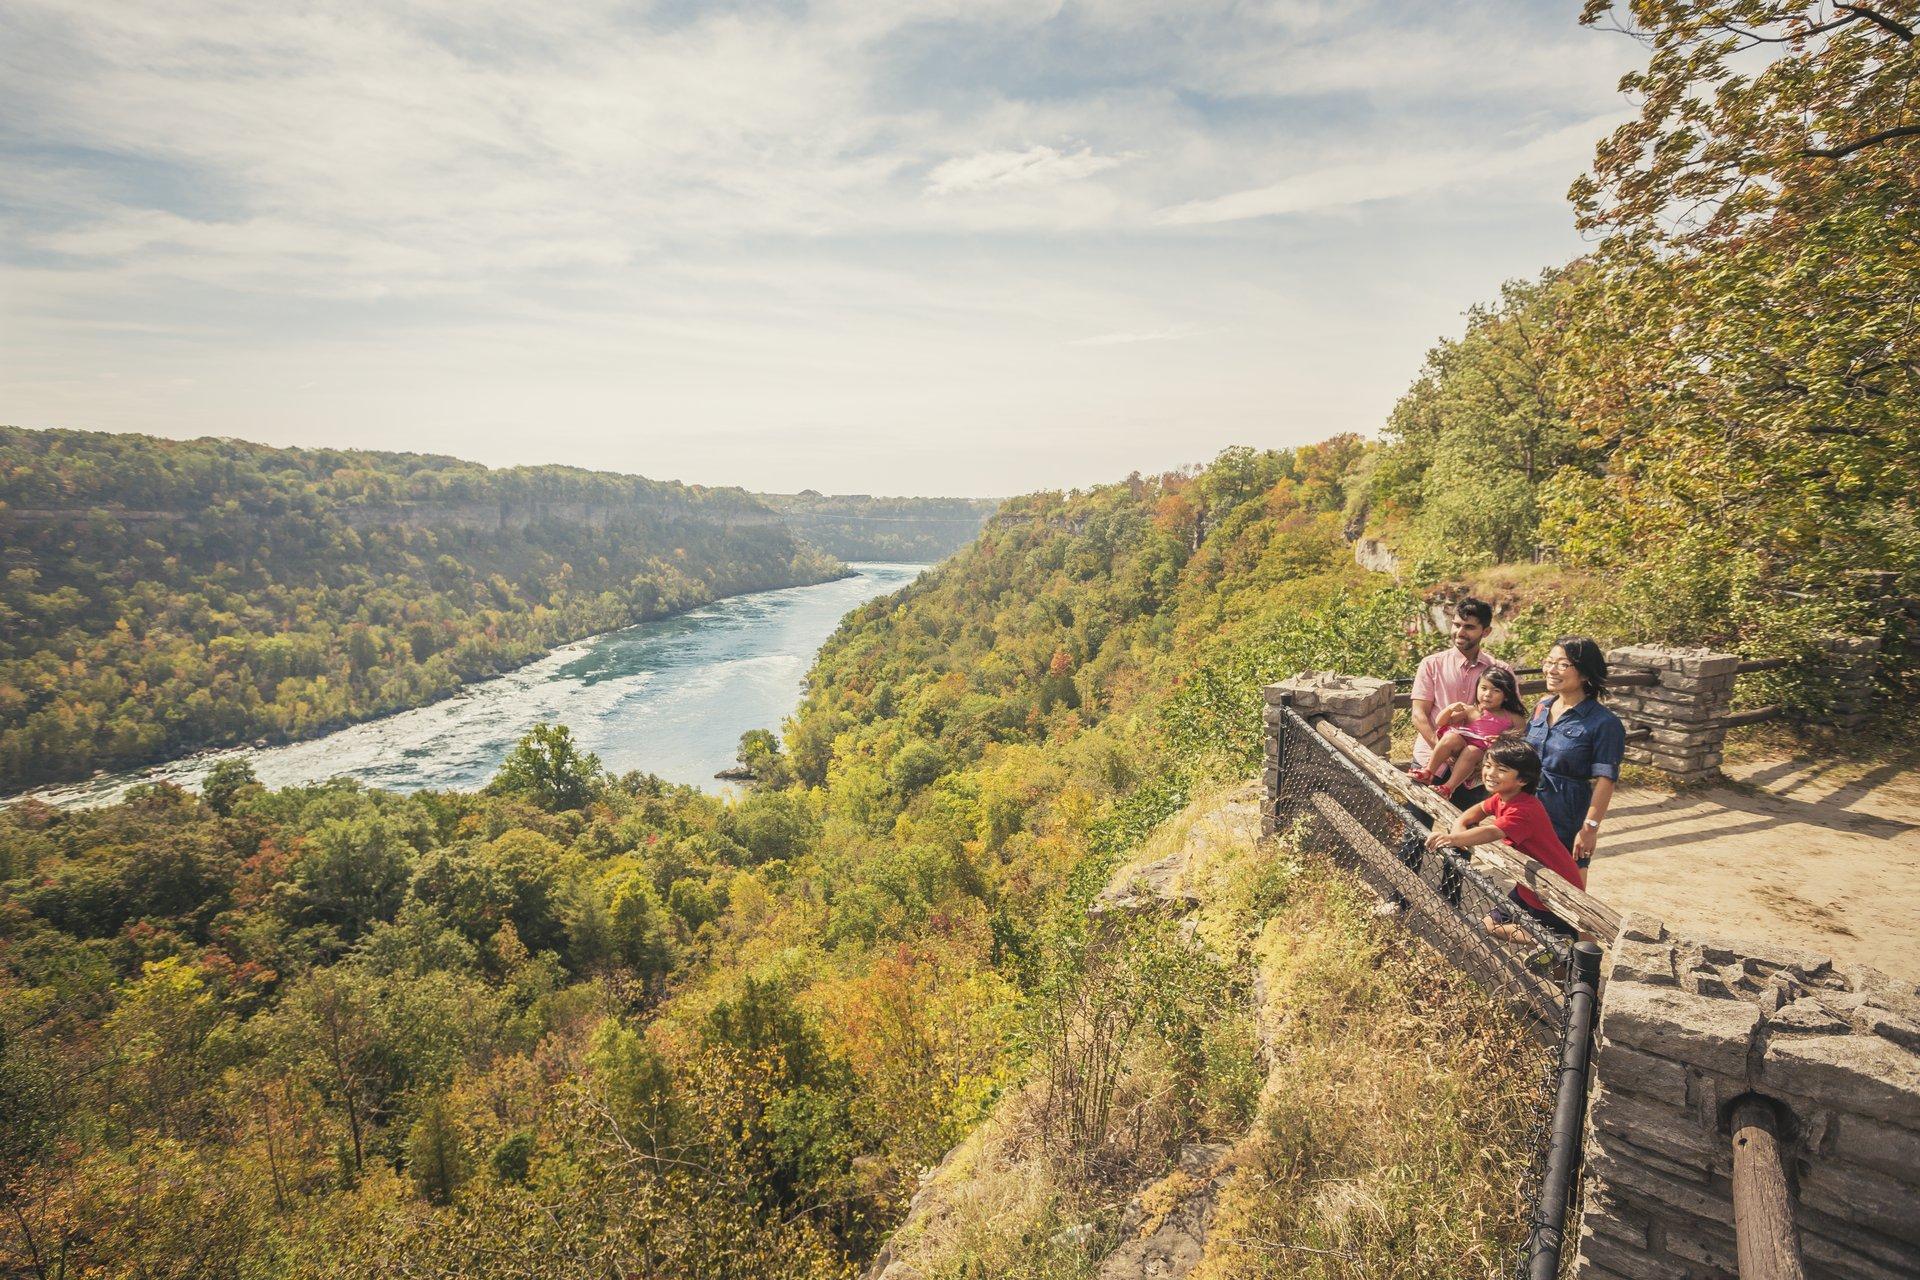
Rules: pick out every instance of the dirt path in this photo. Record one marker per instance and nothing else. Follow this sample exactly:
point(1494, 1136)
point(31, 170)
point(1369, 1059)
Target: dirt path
point(1816, 855)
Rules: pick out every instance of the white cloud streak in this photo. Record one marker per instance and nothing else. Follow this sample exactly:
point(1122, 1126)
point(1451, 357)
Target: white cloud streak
point(1034, 167)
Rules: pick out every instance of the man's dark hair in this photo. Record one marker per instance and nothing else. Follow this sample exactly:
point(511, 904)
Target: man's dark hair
point(1513, 751)
point(1588, 659)
point(1470, 607)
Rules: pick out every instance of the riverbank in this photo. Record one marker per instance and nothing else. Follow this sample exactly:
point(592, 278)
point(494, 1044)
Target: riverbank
point(670, 695)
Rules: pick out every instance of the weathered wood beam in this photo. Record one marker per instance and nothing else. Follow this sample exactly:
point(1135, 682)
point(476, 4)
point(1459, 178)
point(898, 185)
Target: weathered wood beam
point(1571, 903)
point(1768, 1243)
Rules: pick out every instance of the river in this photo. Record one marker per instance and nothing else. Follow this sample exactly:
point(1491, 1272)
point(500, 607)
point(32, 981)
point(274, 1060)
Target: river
point(671, 696)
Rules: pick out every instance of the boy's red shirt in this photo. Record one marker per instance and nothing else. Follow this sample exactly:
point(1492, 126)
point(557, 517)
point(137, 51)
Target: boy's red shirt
point(1524, 823)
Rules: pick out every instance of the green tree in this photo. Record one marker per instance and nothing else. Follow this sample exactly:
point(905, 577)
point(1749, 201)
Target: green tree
point(225, 783)
point(1480, 433)
point(547, 768)
point(1746, 362)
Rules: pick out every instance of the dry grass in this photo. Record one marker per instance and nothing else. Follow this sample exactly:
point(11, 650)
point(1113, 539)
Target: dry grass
point(1394, 1131)
point(1390, 1136)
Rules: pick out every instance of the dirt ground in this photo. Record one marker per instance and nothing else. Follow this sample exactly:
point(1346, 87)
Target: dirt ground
point(1823, 856)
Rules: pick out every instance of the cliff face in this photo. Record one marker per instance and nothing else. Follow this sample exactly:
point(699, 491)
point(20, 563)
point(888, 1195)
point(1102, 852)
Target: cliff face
point(1383, 1124)
point(1002, 1172)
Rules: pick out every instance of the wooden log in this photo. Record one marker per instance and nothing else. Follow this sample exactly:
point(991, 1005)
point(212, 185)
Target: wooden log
point(1571, 903)
point(1762, 664)
point(1768, 1243)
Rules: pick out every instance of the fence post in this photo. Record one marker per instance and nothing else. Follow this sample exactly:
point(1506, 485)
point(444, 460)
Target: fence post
point(1851, 664)
point(1768, 1243)
point(1569, 1115)
point(1681, 713)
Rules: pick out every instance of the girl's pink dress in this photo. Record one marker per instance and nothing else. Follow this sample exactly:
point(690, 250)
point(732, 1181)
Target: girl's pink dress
point(1481, 733)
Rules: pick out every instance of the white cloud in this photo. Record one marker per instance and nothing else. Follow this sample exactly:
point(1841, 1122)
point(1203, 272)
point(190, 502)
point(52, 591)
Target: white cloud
point(1176, 333)
point(1559, 151)
point(1034, 167)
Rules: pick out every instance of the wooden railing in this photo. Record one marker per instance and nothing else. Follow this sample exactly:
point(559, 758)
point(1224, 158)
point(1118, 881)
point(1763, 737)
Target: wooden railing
point(1594, 918)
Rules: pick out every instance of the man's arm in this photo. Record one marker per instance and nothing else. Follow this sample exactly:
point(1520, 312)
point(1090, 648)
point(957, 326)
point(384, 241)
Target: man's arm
point(1422, 709)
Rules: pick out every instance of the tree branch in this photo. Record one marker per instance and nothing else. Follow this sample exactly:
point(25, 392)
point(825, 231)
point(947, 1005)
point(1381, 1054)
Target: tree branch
point(1846, 149)
point(1880, 20)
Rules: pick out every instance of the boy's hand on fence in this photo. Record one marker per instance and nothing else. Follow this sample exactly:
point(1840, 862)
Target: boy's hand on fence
point(1439, 840)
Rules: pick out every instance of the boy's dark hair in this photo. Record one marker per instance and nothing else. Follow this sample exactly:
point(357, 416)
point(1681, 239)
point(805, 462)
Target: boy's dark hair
point(1471, 607)
point(1509, 687)
point(1517, 754)
point(1588, 659)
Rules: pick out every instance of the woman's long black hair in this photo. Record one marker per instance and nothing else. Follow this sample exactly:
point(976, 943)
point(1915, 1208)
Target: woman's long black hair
point(1588, 659)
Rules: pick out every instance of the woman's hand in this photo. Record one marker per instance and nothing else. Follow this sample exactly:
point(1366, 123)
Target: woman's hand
point(1584, 841)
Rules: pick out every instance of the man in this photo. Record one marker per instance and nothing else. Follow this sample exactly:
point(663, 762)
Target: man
point(1451, 675)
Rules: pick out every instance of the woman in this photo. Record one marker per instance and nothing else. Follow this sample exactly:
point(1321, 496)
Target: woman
point(1580, 742)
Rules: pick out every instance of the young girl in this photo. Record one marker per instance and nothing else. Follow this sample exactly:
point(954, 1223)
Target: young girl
point(1469, 730)
point(1512, 812)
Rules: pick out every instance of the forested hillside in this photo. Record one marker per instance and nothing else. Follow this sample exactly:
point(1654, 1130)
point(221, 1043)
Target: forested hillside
point(158, 596)
point(578, 1023)
point(860, 527)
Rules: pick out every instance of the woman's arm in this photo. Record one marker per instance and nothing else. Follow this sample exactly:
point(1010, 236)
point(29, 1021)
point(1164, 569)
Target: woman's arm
point(1588, 837)
point(1609, 750)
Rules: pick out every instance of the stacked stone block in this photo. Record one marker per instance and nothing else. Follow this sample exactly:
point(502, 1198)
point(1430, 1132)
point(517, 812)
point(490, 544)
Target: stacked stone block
point(1688, 1027)
point(1852, 663)
point(1359, 705)
point(1681, 713)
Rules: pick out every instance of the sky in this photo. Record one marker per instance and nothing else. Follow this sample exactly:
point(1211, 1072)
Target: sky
point(957, 247)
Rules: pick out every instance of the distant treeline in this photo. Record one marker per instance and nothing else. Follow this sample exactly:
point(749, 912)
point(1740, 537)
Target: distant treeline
point(159, 596)
point(858, 526)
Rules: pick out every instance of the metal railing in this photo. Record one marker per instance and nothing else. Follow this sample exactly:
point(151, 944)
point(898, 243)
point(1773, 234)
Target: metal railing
point(1335, 802)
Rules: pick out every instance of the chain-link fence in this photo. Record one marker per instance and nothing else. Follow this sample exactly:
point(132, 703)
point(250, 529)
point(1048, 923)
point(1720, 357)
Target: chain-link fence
point(1473, 921)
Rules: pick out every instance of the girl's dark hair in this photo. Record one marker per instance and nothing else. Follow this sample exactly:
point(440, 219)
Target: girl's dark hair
point(1503, 680)
point(1517, 754)
point(1586, 656)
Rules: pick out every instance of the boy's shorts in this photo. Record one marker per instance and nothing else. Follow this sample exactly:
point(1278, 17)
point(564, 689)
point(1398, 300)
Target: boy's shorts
point(1509, 911)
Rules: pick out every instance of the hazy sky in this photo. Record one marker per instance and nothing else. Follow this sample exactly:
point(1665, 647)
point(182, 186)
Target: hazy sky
point(947, 247)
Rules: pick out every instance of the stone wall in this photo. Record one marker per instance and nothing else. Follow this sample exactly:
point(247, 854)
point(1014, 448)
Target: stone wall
point(1359, 705)
point(1681, 713)
point(1687, 1027)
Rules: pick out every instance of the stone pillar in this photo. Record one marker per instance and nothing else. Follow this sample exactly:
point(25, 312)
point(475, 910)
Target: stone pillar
point(1688, 1027)
point(1681, 712)
point(1851, 664)
point(1359, 705)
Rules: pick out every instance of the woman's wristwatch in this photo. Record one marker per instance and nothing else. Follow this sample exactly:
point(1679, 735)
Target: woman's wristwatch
point(1592, 824)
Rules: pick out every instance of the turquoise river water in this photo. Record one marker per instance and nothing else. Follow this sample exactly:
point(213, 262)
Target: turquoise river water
point(670, 696)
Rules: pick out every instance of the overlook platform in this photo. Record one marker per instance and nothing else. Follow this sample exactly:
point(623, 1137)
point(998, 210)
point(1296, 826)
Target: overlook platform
point(1818, 855)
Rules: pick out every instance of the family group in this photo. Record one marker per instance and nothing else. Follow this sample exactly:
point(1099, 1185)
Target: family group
point(1541, 780)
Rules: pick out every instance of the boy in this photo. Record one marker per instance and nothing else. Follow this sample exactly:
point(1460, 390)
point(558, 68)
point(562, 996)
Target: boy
point(1511, 812)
